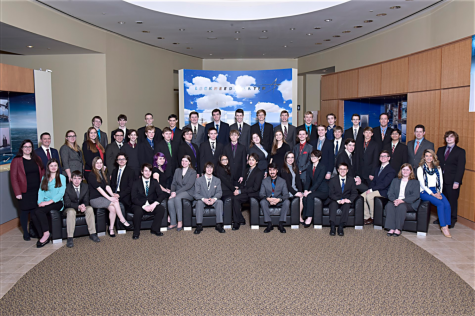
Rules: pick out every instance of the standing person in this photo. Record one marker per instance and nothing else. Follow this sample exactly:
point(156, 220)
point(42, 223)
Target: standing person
point(348, 156)
point(208, 193)
point(397, 150)
point(122, 121)
point(50, 197)
point(417, 146)
point(26, 171)
point(431, 181)
point(199, 134)
point(71, 155)
point(265, 130)
point(183, 187)
point(187, 148)
point(343, 193)
point(223, 172)
point(76, 201)
point(147, 197)
point(381, 134)
point(113, 149)
point(290, 173)
point(338, 144)
point(257, 148)
point(243, 128)
point(148, 147)
point(355, 131)
point(288, 131)
point(176, 132)
point(210, 150)
point(452, 162)
point(302, 153)
point(236, 154)
point(102, 196)
point(274, 192)
point(331, 119)
point(101, 135)
point(122, 179)
point(368, 157)
point(248, 188)
point(315, 186)
point(46, 152)
point(325, 145)
point(142, 133)
point(162, 173)
point(169, 149)
point(91, 149)
point(131, 149)
point(308, 126)
point(279, 148)
point(404, 196)
point(221, 127)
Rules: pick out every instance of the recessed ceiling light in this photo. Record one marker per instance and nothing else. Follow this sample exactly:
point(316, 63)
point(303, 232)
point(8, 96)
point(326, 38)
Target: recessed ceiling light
point(263, 54)
point(396, 7)
point(328, 20)
point(264, 31)
point(317, 28)
point(285, 45)
point(181, 30)
point(237, 38)
point(49, 48)
point(327, 40)
point(370, 10)
point(292, 29)
point(309, 34)
point(318, 43)
point(263, 37)
point(121, 22)
point(357, 27)
point(237, 32)
point(145, 31)
point(368, 21)
point(139, 22)
point(346, 31)
point(242, 28)
point(176, 43)
point(160, 37)
point(336, 35)
point(381, 14)
point(30, 46)
point(189, 48)
point(211, 54)
point(212, 38)
point(209, 31)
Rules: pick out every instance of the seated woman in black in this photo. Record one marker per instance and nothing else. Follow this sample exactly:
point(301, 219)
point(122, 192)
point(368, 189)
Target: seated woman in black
point(279, 149)
point(161, 173)
point(257, 148)
point(315, 186)
point(290, 173)
point(223, 173)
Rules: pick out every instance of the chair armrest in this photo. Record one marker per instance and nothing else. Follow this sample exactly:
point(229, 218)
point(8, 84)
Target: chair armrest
point(100, 220)
point(294, 211)
point(55, 224)
point(254, 204)
point(423, 216)
point(379, 205)
point(317, 211)
point(359, 211)
point(227, 211)
point(187, 212)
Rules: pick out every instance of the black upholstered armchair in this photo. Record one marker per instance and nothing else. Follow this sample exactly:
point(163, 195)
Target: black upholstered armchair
point(59, 229)
point(147, 219)
point(209, 216)
point(416, 221)
point(322, 214)
point(292, 219)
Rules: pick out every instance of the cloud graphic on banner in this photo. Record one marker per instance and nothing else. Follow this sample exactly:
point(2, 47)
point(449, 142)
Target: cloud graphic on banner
point(286, 89)
point(243, 87)
point(272, 111)
point(216, 101)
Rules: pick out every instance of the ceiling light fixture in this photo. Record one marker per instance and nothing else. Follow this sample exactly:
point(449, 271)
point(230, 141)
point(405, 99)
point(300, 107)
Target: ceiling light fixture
point(292, 29)
point(309, 34)
point(285, 45)
point(209, 31)
point(30, 46)
point(396, 7)
point(317, 28)
point(160, 37)
point(264, 31)
point(237, 38)
point(346, 31)
point(336, 35)
point(237, 32)
point(327, 40)
point(211, 54)
point(121, 22)
point(357, 26)
point(328, 20)
point(212, 38)
point(368, 21)
point(181, 30)
point(189, 48)
point(139, 22)
point(145, 31)
point(381, 14)
point(176, 43)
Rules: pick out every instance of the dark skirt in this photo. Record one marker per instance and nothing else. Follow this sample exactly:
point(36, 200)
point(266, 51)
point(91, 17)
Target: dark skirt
point(29, 200)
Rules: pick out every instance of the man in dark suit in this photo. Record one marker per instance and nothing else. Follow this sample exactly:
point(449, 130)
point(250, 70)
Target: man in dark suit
point(122, 179)
point(113, 149)
point(148, 148)
point(331, 119)
point(302, 152)
point(210, 150)
point(338, 143)
point(452, 160)
point(122, 120)
point(266, 130)
point(381, 134)
point(274, 192)
point(176, 132)
point(368, 157)
point(236, 154)
point(141, 131)
point(221, 127)
point(343, 194)
point(308, 126)
point(326, 147)
point(248, 188)
point(243, 128)
point(76, 200)
point(147, 197)
point(379, 186)
point(199, 135)
point(101, 135)
point(349, 157)
point(416, 147)
point(168, 148)
point(190, 149)
point(397, 150)
point(355, 131)
point(45, 152)
point(289, 131)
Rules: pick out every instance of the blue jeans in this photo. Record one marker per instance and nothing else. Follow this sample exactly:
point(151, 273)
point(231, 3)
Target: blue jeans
point(443, 206)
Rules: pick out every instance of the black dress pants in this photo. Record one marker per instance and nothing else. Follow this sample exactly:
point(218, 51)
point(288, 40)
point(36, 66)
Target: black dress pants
point(41, 220)
point(345, 210)
point(237, 201)
point(308, 202)
point(157, 219)
point(452, 196)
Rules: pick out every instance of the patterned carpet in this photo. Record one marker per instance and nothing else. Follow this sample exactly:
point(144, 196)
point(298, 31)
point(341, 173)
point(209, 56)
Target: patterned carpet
point(303, 272)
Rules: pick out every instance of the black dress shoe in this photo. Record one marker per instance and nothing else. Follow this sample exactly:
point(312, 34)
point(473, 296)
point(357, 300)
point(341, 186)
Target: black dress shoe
point(242, 223)
point(31, 232)
point(134, 237)
point(306, 225)
point(269, 228)
point(156, 233)
point(130, 227)
point(42, 244)
point(111, 235)
point(219, 228)
point(26, 237)
point(436, 222)
point(70, 243)
point(198, 229)
point(94, 238)
point(332, 229)
point(452, 225)
point(236, 226)
point(396, 235)
point(389, 234)
point(281, 228)
point(340, 231)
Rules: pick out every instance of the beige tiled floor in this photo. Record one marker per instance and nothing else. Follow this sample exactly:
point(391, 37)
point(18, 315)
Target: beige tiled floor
point(18, 256)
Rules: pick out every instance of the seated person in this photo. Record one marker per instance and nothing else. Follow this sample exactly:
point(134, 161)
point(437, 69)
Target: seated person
point(257, 148)
point(343, 193)
point(274, 192)
point(122, 179)
point(248, 188)
point(379, 186)
point(404, 195)
point(315, 186)
point(290, 173)
point(50, 197)
point(162, 172)
point(147, 197)
point(208, 192)
point(76, 200)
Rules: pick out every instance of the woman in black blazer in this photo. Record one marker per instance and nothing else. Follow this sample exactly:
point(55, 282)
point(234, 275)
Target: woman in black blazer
point(223, 173)
point(132, 151)
point(290, 173)
point(162, 172)
point(315, 186)
point(257, 148)
point(279, 149)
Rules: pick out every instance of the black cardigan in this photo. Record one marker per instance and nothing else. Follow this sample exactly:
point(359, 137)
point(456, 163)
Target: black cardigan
point(226, 181)
point(288, 178)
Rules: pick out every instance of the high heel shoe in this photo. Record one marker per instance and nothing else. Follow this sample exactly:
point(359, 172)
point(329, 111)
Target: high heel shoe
point(130, 226)
point(40, 244)
point(111, 235)
point(445, 234)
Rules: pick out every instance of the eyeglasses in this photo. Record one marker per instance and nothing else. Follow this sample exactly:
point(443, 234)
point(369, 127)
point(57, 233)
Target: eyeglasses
point(71, 136)
point(27, 147)
point(121, 159)
point(384, 156)
point(224, 159)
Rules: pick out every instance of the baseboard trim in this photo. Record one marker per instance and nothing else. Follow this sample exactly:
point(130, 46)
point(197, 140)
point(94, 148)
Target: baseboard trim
point(8, 226)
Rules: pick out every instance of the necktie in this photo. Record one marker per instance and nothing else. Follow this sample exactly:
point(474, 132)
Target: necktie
point(366, 145)
point(314, 170)
point(262, 131)
point(240, 129)
point(146, 188)
point(194, 151)
point(319, 147)
point(336, 148)
point(209, 183)
point(308, 130)
point(273, 187)
point(217, 128)
point(417, 147)
point(212, 147)
point(118, 180)
point(173, 133)
point(285, 132)
point(234, 150)
point(382, 134)
point(170, 148)
point(394, 147)
point(77, 193)
point(380, 169)
point(342, 185)
point(48, 155)
point(120, 146)
point(355, 134)
point(447, 152)
point(247, 176)
point(151, 143)
point(194, 130)
point(99, 134)
point(351, 161)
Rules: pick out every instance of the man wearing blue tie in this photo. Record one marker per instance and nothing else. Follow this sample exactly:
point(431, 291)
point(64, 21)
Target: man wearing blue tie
point(221, 127)
point(308, 126)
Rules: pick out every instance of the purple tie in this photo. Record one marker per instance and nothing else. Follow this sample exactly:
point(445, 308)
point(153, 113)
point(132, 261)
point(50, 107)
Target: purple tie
point(194, 151)
point(447, 152)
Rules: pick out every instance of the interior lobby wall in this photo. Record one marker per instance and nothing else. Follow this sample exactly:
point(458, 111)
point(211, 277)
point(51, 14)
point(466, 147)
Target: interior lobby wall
point(249, 64)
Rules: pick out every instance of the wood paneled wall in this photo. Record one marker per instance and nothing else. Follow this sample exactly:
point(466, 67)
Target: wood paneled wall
point(424, 109)
point(332, 106)
point(456, 64)
point(16, 79)
point(369, 81)
point(424, 70)
point(348, 84)
point(329, 87)
point(394, 76)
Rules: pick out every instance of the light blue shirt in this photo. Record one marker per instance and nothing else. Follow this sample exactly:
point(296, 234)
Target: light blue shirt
point(55, 194)
point(415, 142)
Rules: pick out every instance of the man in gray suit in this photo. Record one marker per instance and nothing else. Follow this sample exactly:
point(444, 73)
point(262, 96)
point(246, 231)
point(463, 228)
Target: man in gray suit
point(197, 129)
point(416, 147)
point(289, 131)
point(243, 128)
point(274, 193)
point(113, 149)
point(208, 193)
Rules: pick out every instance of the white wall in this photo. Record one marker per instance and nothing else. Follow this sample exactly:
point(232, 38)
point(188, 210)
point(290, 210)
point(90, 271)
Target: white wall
point(248, 64)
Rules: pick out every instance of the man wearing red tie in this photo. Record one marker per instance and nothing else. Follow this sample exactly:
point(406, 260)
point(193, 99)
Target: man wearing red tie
point(45, 152)
point(176, 132)
point(397, 150)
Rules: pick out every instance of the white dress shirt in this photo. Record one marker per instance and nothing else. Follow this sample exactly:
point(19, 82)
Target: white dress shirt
point(211, 142)
point(49, 148)
point(339, 144)
point(431, 180)
point(121, 172)
point(402, 190)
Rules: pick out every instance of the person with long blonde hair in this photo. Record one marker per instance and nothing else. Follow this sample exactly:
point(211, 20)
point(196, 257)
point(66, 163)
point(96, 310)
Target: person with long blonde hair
point(91, 149)
point(71, 155)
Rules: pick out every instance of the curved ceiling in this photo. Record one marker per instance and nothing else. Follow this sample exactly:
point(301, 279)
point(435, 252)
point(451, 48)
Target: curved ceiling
point(285, 37)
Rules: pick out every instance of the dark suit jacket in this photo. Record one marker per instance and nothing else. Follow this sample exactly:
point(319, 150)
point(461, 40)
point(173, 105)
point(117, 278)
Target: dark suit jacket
point(245, 137)
point(349, 192)
point(200, 135)
point(155, 193)
point(252, 186)
point(328, 156)
point(316, 181)
point(352, 163)
point(223, 133)
point(177, 137)
point(291, 134)
point(302, 158)
point(414, 159)
point(399, 157)
point(172, 161)
point(146, 152)
point(206, 154)
point(237, 163)
point(127, 178)
point(454, 167)
point(54, 154)
point(288, 179)
point(141, 137)
point(111, 153)
point(70, 197)
point(126, 136)
point(268, 135)
point(377, 136)
point(227, 185)
point(368, 159)
point(382, 181)
point(185, 149)
point(412, 194)
point(313, 133)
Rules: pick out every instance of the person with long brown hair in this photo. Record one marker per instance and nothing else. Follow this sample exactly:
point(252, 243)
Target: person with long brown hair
point(91, 149)
point(50, 197)
point(26, 170)
point(101, 195)
point(403, 196)
point(71, 155)
point(279, 149)
point(431, 181)
point(258, 148)
point(290, 173)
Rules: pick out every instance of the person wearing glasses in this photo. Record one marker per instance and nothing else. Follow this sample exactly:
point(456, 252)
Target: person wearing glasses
point(122, 179)
point(71, 155)
point(113, 149)
point(223, 173)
